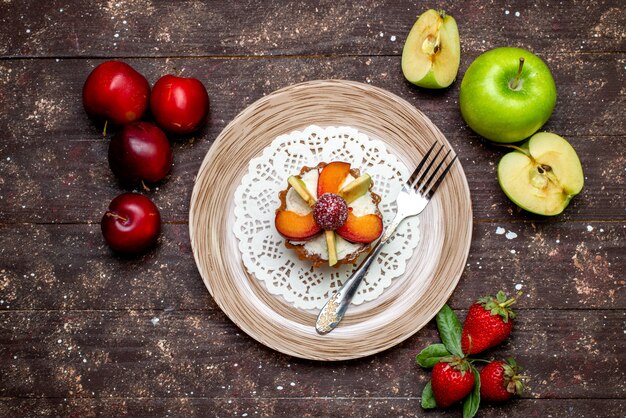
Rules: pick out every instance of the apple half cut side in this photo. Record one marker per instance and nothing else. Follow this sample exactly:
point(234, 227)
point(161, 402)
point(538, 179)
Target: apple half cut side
point(432, 51)
point(543, 175)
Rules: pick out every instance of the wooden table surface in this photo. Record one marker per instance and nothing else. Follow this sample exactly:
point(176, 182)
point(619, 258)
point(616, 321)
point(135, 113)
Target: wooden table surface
point(84, 332)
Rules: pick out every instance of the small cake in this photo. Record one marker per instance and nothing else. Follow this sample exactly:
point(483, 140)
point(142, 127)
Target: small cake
point(329, 214)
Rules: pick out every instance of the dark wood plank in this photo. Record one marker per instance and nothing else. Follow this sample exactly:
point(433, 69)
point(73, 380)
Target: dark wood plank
point(567, 353)
point(308, 408)
point(70, 181)
point(50, 108)
point(162, 28)
point(84, 332)
point(70, 267)
point(53, 165)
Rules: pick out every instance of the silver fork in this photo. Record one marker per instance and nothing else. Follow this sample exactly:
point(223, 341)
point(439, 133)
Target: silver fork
point(413, 198)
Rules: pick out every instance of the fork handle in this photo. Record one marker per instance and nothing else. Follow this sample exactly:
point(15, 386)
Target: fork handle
point(335, 308)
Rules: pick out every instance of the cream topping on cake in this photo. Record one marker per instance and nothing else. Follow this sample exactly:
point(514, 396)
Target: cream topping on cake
point(362, 206)
point(294, 202)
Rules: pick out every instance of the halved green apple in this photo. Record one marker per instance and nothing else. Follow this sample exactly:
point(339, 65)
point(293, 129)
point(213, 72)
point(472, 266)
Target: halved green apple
point(543, 175)
point(432, 52)
point(300, 187)
point(356, 188)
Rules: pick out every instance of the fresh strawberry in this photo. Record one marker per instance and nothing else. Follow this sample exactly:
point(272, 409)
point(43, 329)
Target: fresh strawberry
point(499, 381)
point(488, 323)
point(451, 381)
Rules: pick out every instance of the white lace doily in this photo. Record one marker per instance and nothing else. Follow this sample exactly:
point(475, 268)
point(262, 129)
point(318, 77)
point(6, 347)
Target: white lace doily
point(256, 200)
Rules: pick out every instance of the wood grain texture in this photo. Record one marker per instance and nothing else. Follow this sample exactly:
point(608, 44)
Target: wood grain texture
point(587, 267)
point(69, 181)
point(49, 91)
point(58, 281)
point(307, 408)
point(102, 354)
point(192, 28)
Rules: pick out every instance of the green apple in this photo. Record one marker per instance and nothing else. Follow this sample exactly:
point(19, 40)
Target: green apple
point(542, 175)
point(507, 94)
point(331, 243)
point(300, 187)
point(432, 52)
point(356, 188)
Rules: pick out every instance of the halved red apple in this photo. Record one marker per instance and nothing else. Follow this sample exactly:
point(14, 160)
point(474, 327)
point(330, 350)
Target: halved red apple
point(296, 227)
point(361, 229)
point(332, 177)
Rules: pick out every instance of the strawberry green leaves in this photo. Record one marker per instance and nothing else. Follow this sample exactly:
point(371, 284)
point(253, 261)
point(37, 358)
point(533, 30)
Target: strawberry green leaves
point(432, 355)
point(472, 402)
point(428, 397)
point(455, 379)
point(449, 378)
point(488, 323)
point(450, 330)
point(450, 333)
point(500, 305)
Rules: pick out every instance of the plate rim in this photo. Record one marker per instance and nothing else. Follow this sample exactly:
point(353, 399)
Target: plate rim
point(215, 148)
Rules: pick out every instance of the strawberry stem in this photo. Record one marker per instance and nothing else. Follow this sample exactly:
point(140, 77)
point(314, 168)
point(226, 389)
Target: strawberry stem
point(515, 147)
point(514, 84)
point(511, 301)
point(473, 360)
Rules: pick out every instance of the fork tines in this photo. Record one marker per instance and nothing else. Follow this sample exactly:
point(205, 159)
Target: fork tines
point(428, 187)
